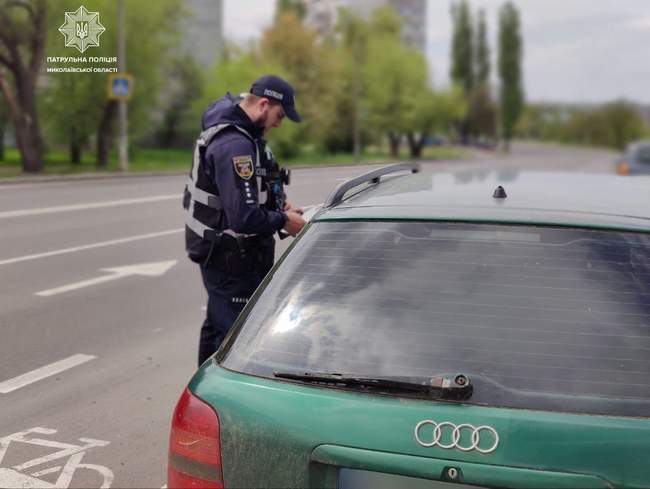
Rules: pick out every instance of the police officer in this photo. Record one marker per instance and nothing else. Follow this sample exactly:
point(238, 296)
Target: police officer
point(228, 231)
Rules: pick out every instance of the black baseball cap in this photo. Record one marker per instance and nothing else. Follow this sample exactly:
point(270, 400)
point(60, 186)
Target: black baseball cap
point(275, 88)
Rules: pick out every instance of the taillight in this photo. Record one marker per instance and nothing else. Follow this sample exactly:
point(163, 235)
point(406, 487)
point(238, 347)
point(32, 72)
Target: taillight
point(622, 168)
point(194, 447)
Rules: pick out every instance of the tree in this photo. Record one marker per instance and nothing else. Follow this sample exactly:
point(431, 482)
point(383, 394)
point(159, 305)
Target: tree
point(450, 105)
point(22, 43)
point(625, 123)
point(462, 56)
point(482, 51)
point(614, 125)
point(234, 74)
point(77, 104)
point(178, 128)
point(312, 68)
point(510, 59)
point(353, 52)
point(4, 119)
point(423, 108)
point(151, 36)
point(482, 110)
point(296, 7)
point(482, 113)
point(385, 73)
point(70, 102)
point(462, 49)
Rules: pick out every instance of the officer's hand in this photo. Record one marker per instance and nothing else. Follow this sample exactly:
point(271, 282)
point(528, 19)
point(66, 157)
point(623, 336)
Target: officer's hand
point(294, 223)
point(289, 207)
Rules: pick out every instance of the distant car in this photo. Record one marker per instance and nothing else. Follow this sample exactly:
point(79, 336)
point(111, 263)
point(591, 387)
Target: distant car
point(485, 143)
point(636, 160)
point(434, 140)
point(442, 331)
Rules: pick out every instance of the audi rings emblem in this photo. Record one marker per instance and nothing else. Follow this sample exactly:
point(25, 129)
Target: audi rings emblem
point(452, 434)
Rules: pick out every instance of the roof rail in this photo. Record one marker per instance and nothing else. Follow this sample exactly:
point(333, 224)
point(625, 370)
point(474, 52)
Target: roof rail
point(372, 176)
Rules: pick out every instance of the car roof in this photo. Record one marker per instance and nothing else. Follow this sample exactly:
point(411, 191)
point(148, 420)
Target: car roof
point(538, 198)
point(637, 145)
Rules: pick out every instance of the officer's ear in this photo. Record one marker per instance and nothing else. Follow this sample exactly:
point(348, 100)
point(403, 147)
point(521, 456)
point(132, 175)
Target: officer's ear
point(263, 102)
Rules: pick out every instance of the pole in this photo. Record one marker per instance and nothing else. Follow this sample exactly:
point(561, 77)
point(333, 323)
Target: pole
point(123, 143)
point(356, 121)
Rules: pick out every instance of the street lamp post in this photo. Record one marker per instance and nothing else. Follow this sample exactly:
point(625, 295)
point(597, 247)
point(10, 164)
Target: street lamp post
point(123, 143)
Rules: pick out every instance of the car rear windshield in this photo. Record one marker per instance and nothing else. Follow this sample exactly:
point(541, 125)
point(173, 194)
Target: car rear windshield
point(537, 317)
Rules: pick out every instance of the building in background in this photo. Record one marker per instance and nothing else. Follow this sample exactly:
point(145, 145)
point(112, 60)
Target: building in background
point(322, 15)
point(414, 15)
point(202, 31)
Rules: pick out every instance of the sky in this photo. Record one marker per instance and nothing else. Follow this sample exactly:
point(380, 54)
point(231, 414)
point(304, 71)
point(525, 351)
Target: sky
point(584, 51)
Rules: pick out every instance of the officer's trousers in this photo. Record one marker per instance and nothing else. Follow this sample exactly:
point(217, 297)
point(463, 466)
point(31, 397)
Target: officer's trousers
point(227, 296)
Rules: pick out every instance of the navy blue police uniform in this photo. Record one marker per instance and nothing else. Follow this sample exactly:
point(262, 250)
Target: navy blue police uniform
point(227, 231)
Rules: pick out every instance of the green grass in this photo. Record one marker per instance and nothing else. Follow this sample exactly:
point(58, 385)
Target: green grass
point(373, 155)
point(140, 160)
point(161, 160)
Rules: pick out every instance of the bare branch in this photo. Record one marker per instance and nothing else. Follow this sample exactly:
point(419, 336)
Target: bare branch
point(38, 39)
point(5, 28)
point(6, 61)
point(12, 40)
point(22, 4)
point(7, 32)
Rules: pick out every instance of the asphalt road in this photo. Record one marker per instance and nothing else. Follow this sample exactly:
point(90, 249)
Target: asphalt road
point(93, 355)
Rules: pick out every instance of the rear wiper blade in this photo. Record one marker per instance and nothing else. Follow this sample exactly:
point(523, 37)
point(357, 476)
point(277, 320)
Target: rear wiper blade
point(458, 387)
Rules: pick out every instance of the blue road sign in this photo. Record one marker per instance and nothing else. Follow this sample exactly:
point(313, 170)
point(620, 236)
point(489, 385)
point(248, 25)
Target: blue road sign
point(120, 86)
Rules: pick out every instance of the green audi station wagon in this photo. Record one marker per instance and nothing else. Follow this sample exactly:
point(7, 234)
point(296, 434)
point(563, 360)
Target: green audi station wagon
point(438, 330)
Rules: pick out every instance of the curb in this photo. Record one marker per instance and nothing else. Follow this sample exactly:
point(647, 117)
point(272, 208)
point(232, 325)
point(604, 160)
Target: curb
point(173, 173)
point(85, 176)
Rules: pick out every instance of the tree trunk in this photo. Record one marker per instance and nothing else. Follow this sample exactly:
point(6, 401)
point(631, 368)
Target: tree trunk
point(356, 121)
point(415, 144)
point(22, 55)
point(3, 124)
point(75, 152)
point(105, 134)
point(30, 143)
point(465, 128)
point(25, 120)
point(394, 140)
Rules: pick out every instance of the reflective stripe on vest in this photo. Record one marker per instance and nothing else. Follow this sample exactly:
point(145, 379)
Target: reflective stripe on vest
point(206, 198)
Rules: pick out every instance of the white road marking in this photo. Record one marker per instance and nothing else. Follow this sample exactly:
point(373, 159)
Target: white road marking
point(90, 246)
point(89, 205)
point(44, 372)
point(15, 476)
point(155, 269)
point(41, 473)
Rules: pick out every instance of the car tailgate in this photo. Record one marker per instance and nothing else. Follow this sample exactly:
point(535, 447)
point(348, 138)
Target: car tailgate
point(282, 434)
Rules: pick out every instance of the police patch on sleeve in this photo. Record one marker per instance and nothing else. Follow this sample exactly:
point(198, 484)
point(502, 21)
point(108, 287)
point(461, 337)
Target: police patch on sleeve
point(243, 166)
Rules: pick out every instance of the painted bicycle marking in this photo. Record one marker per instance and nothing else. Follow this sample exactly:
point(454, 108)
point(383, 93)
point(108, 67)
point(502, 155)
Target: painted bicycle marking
point(27, 474)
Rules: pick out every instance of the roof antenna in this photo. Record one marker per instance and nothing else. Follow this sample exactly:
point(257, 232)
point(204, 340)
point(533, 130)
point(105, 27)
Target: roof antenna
point(499, 193)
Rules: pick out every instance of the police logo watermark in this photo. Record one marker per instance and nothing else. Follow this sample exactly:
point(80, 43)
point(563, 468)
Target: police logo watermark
point(243, 166)
point(82, 29)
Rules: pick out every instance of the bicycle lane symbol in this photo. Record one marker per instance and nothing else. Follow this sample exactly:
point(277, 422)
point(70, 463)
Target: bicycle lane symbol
point(21, 475)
